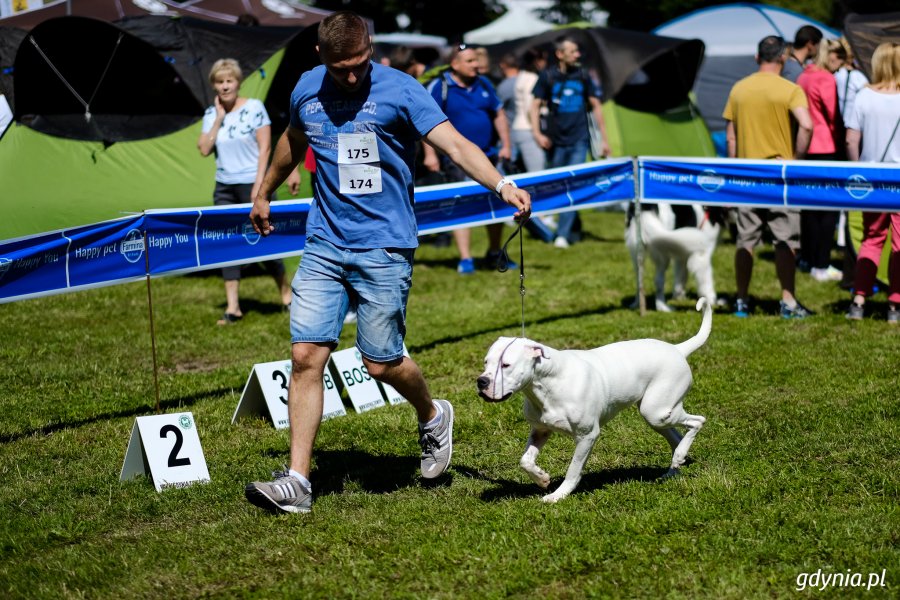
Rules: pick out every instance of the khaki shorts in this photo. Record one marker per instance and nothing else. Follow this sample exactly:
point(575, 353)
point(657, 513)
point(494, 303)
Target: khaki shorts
point(784, 225)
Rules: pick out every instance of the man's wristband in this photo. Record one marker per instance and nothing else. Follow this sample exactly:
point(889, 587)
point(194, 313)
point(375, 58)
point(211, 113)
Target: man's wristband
point(503, 182)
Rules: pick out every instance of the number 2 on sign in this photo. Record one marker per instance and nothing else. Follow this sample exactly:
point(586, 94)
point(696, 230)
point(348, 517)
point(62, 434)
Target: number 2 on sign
point(174, 461)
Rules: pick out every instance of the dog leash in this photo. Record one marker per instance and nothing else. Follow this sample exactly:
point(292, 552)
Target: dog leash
point(503, 265)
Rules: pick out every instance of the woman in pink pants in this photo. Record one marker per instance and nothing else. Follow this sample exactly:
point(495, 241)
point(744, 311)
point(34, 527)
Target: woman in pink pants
point(875, 121)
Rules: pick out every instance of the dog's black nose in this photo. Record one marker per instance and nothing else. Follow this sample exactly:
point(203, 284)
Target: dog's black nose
point(483, 382)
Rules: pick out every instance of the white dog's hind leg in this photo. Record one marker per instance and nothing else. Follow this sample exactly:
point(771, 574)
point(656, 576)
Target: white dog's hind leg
point(536, 441)
point(693, 423)
point(679, 279)
point(672, 435)
point(583, 447)
point(662, 264)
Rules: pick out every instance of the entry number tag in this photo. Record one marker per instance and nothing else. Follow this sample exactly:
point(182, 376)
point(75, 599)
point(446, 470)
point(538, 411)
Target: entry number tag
point(357, 148)
point(360, 179)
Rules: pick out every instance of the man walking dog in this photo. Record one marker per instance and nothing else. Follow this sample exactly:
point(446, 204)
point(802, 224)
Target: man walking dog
point(362, 121)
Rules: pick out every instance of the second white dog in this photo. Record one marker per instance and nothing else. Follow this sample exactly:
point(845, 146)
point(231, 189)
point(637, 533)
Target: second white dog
point(576, 392)
point(689, 248)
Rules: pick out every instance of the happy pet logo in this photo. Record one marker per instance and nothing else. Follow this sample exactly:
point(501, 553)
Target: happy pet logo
point(446, 206)
point(5, 265)
point(710, 181)
point(603, 184)
point(858, 187)
point(185, 422)
point(133, 246)
point(250, 234)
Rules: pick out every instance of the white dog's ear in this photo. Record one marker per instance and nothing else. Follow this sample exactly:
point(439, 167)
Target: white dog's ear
point(538, 351)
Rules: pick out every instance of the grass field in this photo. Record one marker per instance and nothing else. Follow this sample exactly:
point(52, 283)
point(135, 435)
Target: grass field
point(796, 470)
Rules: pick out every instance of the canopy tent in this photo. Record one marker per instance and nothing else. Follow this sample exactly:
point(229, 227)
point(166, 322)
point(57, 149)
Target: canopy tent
point(731, 34)
point(133, 147)
point(268, 12)
point(639, 70)
point(139, 78)
point(866, 32)
point(517, 22)
point(645, 81)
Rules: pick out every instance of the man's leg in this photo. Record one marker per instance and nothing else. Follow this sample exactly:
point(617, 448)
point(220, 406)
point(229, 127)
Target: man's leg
point(743, 271)
point(786, 269)
point(405, 376)
point(306, 397)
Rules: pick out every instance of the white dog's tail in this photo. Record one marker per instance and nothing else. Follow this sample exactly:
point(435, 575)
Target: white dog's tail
point(688, 346)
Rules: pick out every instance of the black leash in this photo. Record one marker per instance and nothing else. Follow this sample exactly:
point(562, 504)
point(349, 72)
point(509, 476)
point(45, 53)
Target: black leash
point(503, 265)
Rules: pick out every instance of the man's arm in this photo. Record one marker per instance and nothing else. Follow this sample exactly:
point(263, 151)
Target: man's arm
point(534, 115)
point(597, 110)
point(501, 124)
point(731, 139)
point(853, 138)
point(804, 131)
point(476, 165)
point(289, 151)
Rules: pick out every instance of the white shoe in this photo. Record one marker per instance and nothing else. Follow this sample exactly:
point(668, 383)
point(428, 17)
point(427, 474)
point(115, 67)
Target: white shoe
point(829, 274)
point(351, 317)
point(561, 242)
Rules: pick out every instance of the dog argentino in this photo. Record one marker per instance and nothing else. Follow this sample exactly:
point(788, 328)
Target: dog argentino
point(576, 392)
point(689, 248)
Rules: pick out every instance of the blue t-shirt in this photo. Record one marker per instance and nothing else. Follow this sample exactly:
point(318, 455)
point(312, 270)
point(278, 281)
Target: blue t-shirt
point(363, 195)
point(471, 110)
point(567, 101)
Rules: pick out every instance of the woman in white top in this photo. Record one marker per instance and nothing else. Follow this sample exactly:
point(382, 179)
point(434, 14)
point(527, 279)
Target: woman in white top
point(850, 81)
point(874, 123)
point(239, 131)
point(533, 156)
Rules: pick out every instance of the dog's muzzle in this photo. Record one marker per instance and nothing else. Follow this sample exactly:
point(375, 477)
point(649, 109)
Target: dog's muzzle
point(483, 384)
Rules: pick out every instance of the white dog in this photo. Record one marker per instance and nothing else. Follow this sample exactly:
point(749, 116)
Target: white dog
point(576, 392)
point(690, 248)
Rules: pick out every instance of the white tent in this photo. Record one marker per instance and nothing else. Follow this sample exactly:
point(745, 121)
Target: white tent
point(517, 22)
point(731, 33)
point(735, 29)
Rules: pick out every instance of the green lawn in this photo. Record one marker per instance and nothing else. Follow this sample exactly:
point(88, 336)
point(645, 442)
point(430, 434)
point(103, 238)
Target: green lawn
point(795, 471)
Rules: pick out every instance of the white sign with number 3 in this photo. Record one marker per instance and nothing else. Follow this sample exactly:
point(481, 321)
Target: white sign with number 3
point(167, 446)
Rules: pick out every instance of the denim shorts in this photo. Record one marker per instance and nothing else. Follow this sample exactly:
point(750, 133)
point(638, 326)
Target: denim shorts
point(330, 280)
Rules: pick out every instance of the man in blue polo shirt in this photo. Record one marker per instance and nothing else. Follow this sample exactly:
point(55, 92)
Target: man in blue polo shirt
point(474, 109)
point(362, 121)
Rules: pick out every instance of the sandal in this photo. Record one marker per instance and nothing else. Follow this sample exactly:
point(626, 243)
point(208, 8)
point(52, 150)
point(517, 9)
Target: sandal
point(229, 319)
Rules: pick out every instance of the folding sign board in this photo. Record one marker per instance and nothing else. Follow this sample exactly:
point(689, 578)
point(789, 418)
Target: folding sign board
point(167, 447)
point(392, 395)
point(361, 387)
point(266, 392)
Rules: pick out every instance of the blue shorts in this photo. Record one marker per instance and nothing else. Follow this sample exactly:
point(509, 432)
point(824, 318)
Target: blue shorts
point(376, 283)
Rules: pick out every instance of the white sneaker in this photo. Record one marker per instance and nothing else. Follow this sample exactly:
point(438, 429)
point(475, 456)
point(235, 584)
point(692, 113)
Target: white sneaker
point(561, 242)
point(350, 317)
point(829, 274)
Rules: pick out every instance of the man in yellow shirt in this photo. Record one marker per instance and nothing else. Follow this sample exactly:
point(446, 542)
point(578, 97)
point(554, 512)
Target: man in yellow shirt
point(759, 113)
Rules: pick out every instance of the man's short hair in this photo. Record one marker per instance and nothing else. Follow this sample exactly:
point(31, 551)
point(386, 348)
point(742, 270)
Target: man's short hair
point(561, 40)
point(807, 34)
point(771, 48)
point(342, 33)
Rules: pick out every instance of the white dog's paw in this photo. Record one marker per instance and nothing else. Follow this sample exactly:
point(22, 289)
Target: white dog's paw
point(552, 498)
point(541, 478)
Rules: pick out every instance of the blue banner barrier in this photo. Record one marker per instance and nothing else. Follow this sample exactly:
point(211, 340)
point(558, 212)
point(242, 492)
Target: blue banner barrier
point(163, 242)
point(823, 185)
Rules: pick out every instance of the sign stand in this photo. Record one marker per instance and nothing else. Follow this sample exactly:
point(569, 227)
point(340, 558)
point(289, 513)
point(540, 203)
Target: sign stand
point(266, 393)
point(361, 387)
point(168, 448)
